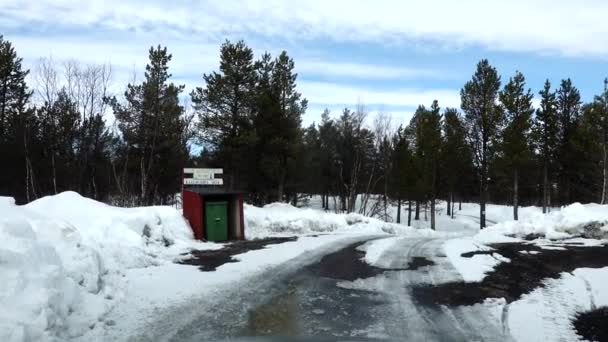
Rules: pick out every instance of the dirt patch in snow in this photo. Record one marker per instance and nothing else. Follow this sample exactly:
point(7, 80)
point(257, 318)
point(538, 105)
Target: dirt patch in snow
point(345, 264)
point(418, 262)
point(510, 280)
point(349, 264)
point(592, 325)
point(210, 260)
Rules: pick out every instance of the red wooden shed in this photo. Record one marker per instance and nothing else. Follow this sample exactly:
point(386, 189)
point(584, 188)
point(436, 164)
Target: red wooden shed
point(215, 214)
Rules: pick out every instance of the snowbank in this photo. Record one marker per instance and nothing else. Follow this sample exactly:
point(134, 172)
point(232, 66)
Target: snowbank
point(472, 269)
point(570, 222)
point(374, 249)
point(546, 314)
point(280, 219)
point(62, 259)
point(566, 223)
point(465, 221)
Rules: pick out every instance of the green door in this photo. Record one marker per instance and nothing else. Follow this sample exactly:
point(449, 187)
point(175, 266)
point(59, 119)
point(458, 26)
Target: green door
point(216, 221)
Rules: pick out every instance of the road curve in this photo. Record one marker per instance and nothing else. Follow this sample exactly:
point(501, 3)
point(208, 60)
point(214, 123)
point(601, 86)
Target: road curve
point(334, 294)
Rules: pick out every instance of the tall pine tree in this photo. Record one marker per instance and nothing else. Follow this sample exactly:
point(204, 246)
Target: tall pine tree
point(456, 155)
point(546, 131)
point(517, 102)
point(601, 114)
point(568, 156)
point(225, 107)
point(153, 127)
point(484, 118)
point(17, 122)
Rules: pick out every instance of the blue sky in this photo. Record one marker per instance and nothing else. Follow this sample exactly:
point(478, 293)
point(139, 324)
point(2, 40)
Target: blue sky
point(390, 55)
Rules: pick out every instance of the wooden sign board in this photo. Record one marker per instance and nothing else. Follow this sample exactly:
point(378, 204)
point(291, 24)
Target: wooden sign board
point(191, 181)
point(203, 176)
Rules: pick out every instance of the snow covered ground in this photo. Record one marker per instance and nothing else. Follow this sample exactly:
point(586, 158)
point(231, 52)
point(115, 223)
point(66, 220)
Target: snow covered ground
point(545, 314)
point(466, 220)
point(72, 267)
point(63, 260)
point(280, 219)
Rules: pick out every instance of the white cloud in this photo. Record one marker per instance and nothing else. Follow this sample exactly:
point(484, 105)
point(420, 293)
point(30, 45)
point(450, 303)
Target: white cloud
point(347, 96)
point(561, 26)
point(401, 116)
point(367, 71)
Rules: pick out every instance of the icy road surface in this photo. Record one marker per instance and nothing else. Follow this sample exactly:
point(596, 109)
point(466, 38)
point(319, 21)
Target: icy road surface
point(339, 295)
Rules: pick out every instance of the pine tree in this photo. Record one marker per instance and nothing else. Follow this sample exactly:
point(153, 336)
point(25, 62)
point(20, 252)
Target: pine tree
point(546, 131)
point(568, 157)
point(18, 127)
point(153, 127)
point(414, 135)
point(483, 117)
point(517, 102)
point(97, 149)
point(456, 155)
point(59, 131)
point(225, 107)
point(589, 169)
point(285, 135)
point(328, 155)
point(601, 113)
point(401, 177)
point(431, 144)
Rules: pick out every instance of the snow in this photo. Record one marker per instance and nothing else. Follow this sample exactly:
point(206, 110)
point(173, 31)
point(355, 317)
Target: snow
point(374, 249)
point(562, 224)
point(72, 267)
point(565, 224)
point(472, 269)
point(280, 219)
point(161, 293)
point(63, 258)
point(546, 314)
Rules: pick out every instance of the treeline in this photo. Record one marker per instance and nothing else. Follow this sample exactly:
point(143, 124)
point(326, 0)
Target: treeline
point(63, 141)
point(246, 118)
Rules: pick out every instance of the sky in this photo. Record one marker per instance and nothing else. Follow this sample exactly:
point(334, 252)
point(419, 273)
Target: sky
point(390, 55)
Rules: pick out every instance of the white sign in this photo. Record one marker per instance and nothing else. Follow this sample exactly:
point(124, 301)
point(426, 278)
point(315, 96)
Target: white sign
point(203, 171)
point(203, 176)
point(191, 181)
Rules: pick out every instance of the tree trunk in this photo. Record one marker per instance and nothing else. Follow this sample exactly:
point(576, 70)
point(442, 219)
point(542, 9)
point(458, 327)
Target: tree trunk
point(605, 172)
point(280, 192)
point(449, 202)
point(482, 202)
point(399, 210)
point(54, 173)
point(515, 193)
point(460, 203)
point(426, 209)
point(417, 216)
point(452, 200)
point(409, 213)
point(545, 186)
point(433, 214)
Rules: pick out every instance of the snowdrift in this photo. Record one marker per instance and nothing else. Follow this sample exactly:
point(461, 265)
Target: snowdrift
point(62, 258)
point(589, 222)
point(575, 220)
point(280, 219)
